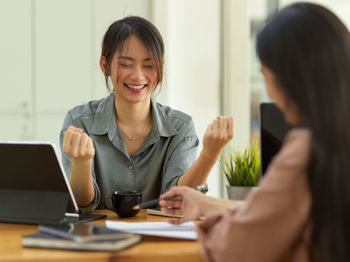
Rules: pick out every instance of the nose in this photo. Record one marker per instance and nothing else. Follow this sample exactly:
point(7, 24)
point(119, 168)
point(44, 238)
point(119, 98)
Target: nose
point(138, 74)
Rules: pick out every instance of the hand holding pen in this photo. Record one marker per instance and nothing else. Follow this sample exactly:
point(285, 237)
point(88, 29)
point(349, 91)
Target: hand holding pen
point(184, 201)
point(175, 197)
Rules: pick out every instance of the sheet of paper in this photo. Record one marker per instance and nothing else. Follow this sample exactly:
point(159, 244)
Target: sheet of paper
point(163, 229)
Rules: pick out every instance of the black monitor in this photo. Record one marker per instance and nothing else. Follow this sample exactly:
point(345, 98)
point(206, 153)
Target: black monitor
point(273, 129)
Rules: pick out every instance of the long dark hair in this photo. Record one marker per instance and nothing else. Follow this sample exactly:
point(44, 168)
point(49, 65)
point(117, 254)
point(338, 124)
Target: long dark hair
point(118, 32)
point(308, 49)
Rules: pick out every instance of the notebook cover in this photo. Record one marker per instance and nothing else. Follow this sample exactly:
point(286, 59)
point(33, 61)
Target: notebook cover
point(43, 240)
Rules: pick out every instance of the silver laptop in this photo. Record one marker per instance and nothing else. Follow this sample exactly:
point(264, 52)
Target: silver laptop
point(33, 186)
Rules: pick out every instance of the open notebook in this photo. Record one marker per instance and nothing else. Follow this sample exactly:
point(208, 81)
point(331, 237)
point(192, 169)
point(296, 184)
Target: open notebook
point(161, 229)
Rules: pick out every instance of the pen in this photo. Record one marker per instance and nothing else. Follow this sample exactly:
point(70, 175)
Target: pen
point(153, 202)
point(201, 188)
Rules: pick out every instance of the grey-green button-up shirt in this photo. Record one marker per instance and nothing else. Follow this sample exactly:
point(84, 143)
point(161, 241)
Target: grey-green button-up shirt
point(168, 151)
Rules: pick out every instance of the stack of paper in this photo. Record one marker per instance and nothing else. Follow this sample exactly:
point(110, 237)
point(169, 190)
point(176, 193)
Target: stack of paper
point(163, 229)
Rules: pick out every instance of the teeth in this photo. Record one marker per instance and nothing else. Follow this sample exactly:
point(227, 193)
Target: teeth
point(136, 87)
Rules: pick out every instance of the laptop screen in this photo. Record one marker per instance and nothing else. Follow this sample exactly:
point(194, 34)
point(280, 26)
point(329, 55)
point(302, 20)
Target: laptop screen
point(273, 129)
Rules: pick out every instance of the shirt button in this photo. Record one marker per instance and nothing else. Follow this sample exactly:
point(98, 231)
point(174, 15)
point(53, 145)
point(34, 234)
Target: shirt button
point(131, 167)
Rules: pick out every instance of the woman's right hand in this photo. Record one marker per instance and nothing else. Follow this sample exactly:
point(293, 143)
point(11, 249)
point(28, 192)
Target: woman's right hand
point(193, 204)
point(186, 203)
point(78, 145)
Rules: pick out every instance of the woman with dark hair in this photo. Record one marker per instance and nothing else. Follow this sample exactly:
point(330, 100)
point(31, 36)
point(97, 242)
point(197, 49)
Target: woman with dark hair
point(127, 141)
point(302, 205)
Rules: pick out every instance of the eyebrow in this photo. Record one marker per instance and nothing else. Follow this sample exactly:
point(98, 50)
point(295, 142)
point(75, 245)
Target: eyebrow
point(132, 59)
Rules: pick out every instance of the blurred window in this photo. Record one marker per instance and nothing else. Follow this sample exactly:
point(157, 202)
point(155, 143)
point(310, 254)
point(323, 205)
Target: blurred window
point(260, 11)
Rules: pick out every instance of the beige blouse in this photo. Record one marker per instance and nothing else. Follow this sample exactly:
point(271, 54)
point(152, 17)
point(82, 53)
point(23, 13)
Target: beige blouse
point(273, 221)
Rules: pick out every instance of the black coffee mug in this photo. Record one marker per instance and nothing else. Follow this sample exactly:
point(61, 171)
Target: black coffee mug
point(123, 202)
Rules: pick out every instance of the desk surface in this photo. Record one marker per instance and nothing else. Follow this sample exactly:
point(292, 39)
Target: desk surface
point(150, 249)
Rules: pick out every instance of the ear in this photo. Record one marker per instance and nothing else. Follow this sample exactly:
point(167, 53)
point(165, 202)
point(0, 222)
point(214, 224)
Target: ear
point(103, 65)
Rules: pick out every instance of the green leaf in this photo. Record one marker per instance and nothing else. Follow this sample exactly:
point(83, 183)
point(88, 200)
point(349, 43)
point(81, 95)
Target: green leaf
point(241, 168)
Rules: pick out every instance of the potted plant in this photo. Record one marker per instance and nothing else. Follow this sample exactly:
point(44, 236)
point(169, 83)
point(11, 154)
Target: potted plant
point(242, 171)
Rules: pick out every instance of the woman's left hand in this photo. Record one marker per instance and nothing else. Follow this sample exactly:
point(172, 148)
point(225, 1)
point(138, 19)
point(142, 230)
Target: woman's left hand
point(203, 230)
point(218, 134)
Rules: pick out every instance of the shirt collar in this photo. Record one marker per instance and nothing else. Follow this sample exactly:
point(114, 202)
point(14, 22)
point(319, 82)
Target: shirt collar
point(161, 122)
point(105, 118)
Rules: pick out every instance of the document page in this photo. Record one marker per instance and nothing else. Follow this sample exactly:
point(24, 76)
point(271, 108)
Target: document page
point(163, 229)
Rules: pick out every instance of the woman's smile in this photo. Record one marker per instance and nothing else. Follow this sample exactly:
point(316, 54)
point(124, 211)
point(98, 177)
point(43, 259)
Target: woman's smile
point(135, 86)
point(136, 89)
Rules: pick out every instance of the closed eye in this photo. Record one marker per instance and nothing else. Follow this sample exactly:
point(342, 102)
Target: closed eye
point(125, 65)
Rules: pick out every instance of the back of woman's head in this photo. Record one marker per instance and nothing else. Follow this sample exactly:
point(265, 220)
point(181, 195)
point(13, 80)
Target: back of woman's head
point(119, 32)
point(308, 49)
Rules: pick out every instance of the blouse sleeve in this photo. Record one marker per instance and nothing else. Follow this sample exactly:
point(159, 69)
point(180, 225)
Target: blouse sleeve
point(272, 218)
point(67, 161)
point(181, 154)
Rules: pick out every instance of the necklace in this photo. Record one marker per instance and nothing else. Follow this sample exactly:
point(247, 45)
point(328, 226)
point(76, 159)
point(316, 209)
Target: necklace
point(128, 136)
point(144, 132)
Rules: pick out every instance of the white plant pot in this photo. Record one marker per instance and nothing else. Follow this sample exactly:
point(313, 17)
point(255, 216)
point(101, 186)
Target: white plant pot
point(238, 192)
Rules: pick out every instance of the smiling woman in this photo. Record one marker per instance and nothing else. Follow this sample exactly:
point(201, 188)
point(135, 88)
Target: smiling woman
point(127, 141)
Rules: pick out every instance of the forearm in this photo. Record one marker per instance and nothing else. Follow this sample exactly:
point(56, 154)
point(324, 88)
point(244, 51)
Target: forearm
point(211, 205)
point(81, 182)
point(198, 173)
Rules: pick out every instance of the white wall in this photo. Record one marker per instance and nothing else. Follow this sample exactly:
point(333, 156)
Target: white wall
point(191, 31)
point(15, 74)
point(235, 70)
point(49, 53)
